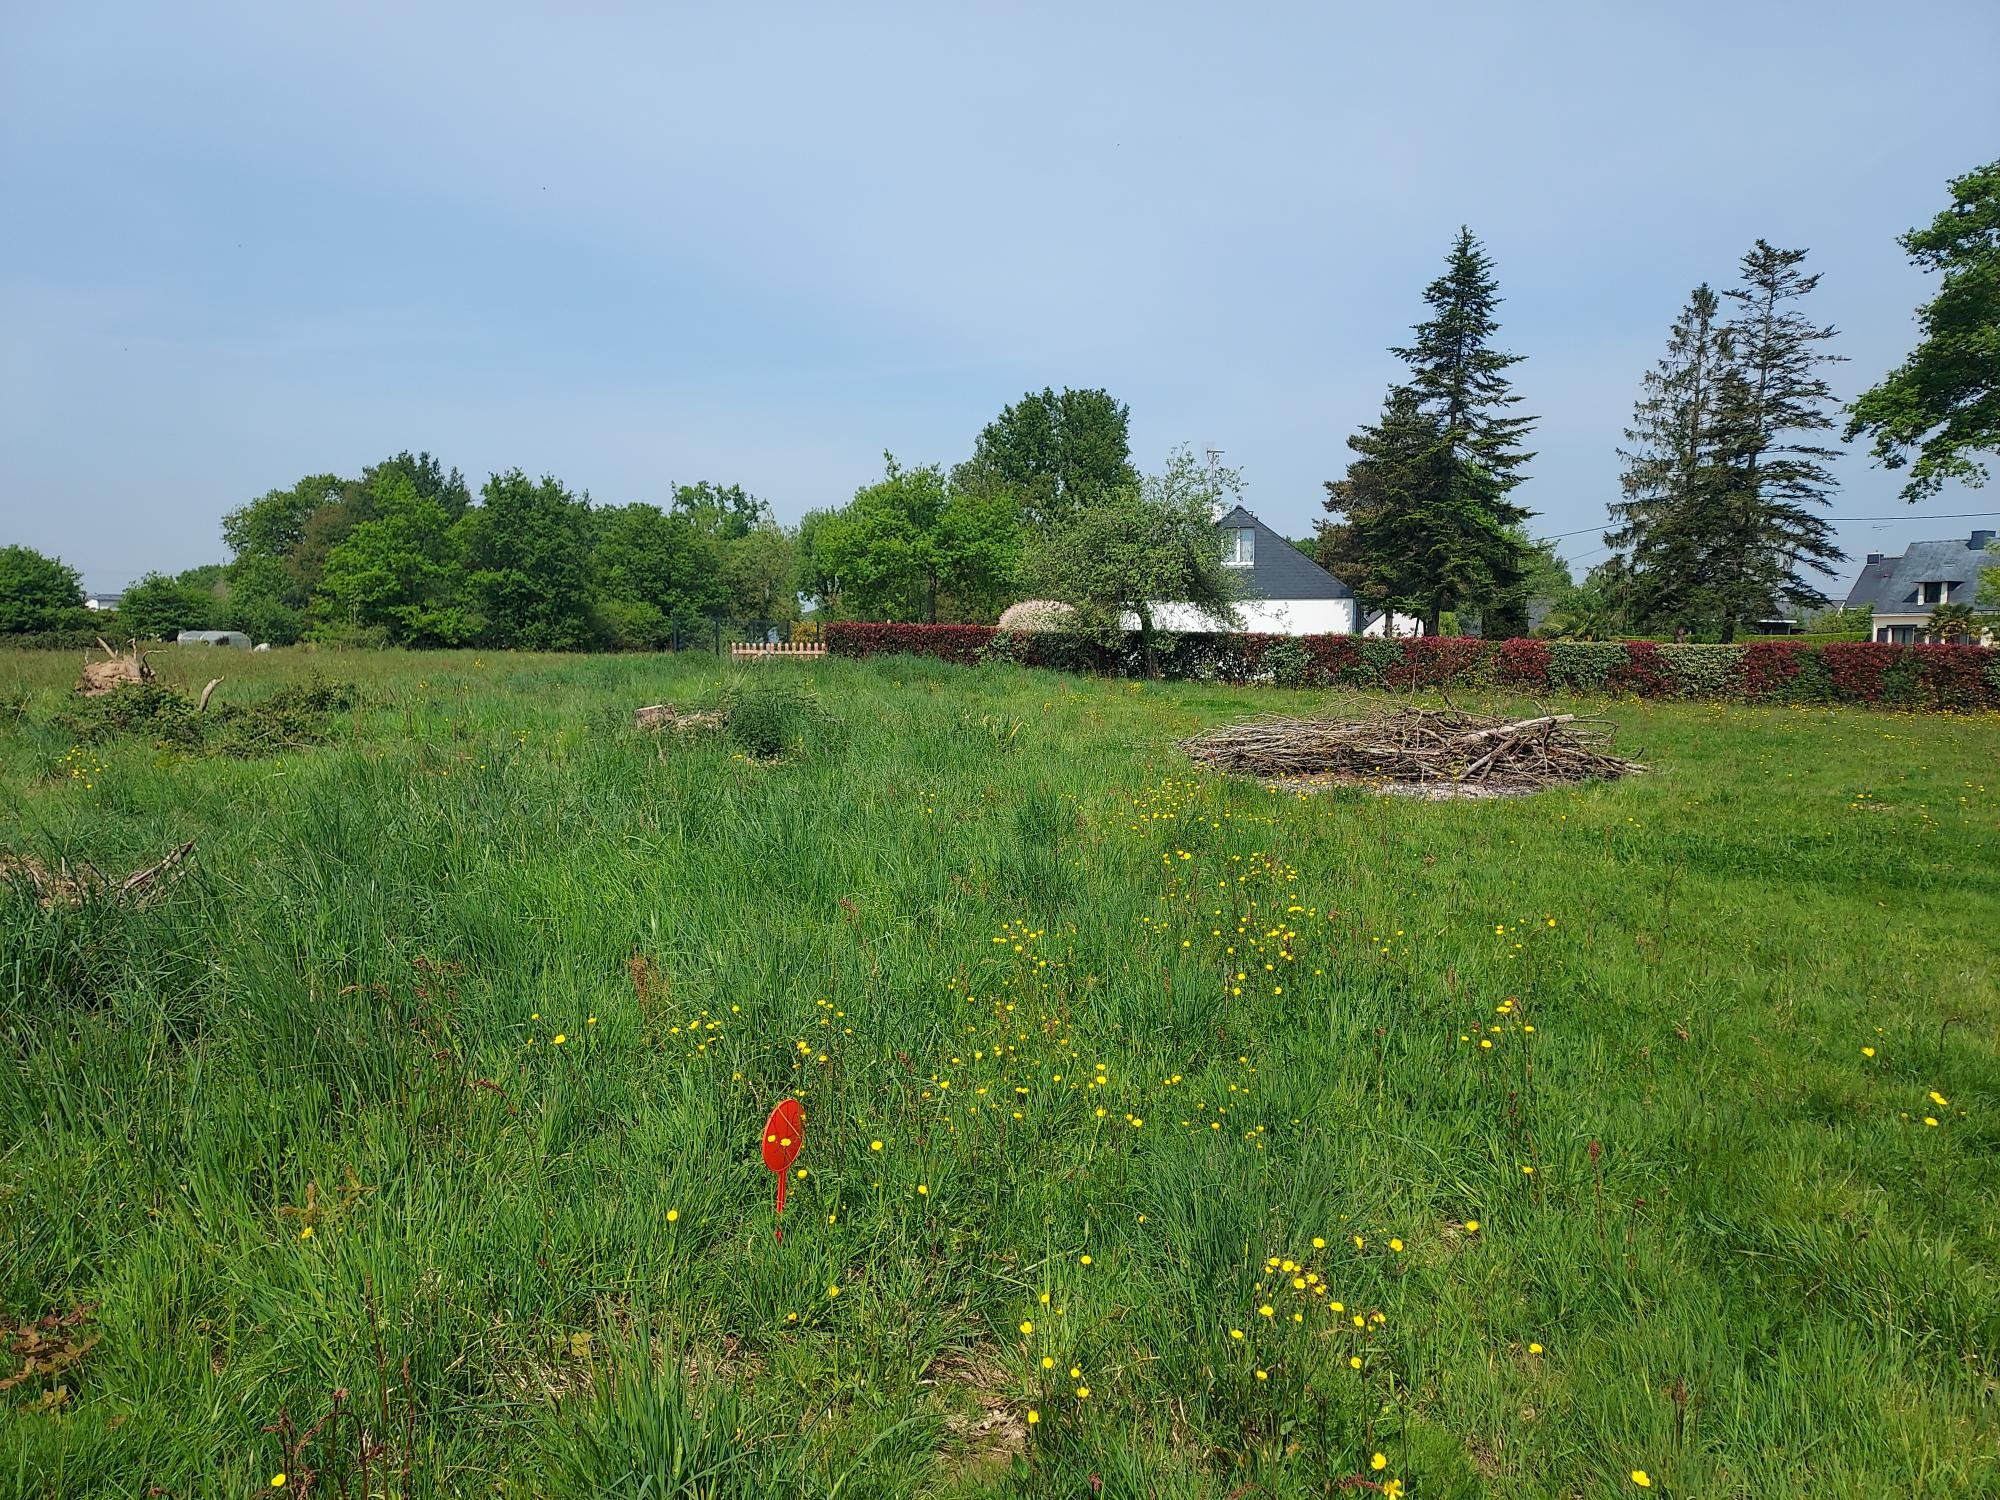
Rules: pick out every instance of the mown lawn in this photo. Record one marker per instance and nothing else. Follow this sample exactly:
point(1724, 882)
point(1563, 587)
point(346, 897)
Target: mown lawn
point(471, 1017)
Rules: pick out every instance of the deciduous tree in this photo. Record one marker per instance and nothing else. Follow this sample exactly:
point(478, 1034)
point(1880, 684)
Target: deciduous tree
point(1141, 546)
point(526, 548)
point(1052, 452)
point(1943, 402)
point(37, 592)
point(158, 607)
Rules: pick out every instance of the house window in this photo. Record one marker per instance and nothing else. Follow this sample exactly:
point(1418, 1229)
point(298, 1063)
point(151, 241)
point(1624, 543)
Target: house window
point(1930, 593)
point(1239, 547)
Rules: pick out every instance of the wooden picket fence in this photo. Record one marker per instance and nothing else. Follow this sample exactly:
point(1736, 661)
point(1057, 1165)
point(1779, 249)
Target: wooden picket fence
point(788, 650)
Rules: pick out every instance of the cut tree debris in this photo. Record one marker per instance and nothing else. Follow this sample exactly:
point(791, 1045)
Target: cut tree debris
point(73, 885)
point(100, 677)
point(1425, 752)
point(666, 716)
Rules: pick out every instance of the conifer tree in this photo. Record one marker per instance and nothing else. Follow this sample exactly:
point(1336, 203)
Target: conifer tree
point(1435, 528)
point(1763, 528)
point(1673, 473)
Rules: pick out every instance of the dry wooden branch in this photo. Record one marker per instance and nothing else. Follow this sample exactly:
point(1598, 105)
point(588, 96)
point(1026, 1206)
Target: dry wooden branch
point(1441, 748)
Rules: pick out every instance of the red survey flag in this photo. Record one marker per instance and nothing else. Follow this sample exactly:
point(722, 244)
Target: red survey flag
point(784, 1136)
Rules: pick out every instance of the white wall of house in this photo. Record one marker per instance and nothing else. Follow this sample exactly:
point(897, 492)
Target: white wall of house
point(1262, 616)
point(1401, 625)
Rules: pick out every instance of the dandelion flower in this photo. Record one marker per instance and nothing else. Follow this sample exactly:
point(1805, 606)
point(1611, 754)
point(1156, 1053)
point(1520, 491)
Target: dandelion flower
point(874, 1145)
point(1264, 1311)
point(1083, 1260)
point(923, 1190)
point(1534, 1348)
point(1472, 1226)
point(833, 1291)
point(558, 1039)
point(1263, 1374)
point(1354, 1361)
point(278, 1480)
point(1641, 1478)
point(1867, 1051)
point(1318, 1243)
point(1397, 1246)
point(1379, 1462)
point(1083, 1393)
point(1033, 1416)
point(1048, 1361)
point(1930, 1120)
point(1236, 1333)
point(673, 1216)
point(1075, 1373)
point(1937, 1098)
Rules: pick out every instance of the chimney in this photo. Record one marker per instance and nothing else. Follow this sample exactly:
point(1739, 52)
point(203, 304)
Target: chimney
point(1980, 540)
point(1874, 558)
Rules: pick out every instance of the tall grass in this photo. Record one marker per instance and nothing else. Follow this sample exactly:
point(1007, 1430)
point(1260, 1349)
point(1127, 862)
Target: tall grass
point(304, 1125)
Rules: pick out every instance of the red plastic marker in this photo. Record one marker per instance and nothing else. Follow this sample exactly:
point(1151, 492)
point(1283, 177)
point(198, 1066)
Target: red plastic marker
point(784, 1136)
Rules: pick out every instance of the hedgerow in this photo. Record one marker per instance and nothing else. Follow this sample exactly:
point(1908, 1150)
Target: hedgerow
point(1953, 678)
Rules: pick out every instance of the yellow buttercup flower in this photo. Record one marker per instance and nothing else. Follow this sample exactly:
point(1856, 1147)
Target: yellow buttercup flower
point(1641, 1478)
point(673, 1216)
point(1027, 1328)
point(1379, 1462)
point(1033, 1416)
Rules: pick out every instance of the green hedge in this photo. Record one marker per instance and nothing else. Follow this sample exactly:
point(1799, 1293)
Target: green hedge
point(1952, 678)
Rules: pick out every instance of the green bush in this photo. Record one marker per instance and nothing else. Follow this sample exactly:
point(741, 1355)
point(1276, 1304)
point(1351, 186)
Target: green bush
point(770, 713)
point(1584, 666)
point(293, 717)
point(1705, 671)
point(1288, 663)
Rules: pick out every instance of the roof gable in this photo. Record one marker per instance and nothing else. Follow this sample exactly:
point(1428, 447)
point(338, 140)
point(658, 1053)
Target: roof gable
point(1278, 570)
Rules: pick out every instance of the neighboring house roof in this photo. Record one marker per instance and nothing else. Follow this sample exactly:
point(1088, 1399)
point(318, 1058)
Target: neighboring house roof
point(1278, 570)
point(1889, 584)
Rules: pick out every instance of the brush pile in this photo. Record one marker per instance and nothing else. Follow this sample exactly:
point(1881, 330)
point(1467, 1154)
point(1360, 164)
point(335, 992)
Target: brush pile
point(118, 667)
point(1426, 752)
point(64, 884)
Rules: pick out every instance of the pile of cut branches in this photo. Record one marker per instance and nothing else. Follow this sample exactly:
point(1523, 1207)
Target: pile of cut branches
point(1420, 751)
point(64, 884)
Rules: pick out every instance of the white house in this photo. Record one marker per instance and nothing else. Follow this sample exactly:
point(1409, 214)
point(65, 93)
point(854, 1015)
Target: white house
point(107, 600)
point(1904, 590)
point(1284, 591)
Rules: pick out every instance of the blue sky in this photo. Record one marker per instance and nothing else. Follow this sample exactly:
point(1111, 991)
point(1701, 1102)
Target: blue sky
point(633, 245)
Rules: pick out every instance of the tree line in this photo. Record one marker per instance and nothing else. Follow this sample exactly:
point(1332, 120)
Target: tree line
point(1727, 471)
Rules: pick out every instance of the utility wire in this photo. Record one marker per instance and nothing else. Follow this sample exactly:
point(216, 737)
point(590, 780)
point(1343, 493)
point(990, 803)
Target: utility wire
point(1963, 515)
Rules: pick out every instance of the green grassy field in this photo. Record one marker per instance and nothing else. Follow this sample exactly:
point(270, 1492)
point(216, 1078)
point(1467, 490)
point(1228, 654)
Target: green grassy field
point(1648, 1128)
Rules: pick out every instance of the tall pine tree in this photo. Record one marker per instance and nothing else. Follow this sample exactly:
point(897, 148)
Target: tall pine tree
point(1430, 523)
point(1764, 527)
point(1674, 474)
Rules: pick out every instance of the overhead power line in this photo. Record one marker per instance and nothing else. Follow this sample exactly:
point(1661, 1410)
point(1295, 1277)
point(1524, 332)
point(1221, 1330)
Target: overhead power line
point(1963, 515)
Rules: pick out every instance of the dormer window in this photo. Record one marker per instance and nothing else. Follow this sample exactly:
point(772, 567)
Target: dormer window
point(1239, 547)
point(1931, 593)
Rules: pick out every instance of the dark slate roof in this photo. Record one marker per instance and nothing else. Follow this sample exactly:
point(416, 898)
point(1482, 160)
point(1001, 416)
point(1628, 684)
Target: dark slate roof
point(1890, 583)
point(1278, 570)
